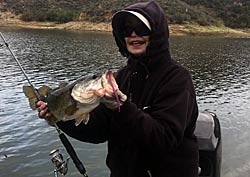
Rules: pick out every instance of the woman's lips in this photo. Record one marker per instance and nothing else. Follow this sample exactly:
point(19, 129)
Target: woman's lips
point(137, 42)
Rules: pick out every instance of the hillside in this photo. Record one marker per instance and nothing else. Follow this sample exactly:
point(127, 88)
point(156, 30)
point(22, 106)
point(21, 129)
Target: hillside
point(231, 13)
point(78, 14)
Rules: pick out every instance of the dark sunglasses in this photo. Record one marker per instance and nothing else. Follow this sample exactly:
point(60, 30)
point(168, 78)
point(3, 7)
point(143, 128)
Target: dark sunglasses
point(139, 29)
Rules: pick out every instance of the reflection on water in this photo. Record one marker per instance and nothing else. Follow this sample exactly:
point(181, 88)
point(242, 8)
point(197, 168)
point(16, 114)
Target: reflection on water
point(219, 66)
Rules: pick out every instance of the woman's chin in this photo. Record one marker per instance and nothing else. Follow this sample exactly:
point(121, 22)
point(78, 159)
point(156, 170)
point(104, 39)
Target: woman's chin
point(137, 52)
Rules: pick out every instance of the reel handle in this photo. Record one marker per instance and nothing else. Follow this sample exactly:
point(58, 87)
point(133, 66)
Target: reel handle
point(60, 164)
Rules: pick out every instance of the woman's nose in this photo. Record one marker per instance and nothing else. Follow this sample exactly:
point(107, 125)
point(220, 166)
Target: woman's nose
point(133, 34)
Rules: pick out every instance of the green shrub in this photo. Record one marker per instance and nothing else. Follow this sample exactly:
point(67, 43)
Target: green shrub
point(60, 16)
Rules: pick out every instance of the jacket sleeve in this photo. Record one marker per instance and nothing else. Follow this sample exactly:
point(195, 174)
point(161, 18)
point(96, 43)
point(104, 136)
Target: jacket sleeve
point(172, 114)
point(95, 131)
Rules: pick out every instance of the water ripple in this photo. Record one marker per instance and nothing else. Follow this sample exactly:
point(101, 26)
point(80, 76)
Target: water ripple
point(219, 67)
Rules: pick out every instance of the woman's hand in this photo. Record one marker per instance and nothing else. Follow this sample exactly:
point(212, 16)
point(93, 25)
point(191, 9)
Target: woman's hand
point(43, 113)
point(43, 110)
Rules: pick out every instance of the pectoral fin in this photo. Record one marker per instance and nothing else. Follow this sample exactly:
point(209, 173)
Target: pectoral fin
point(82, 118)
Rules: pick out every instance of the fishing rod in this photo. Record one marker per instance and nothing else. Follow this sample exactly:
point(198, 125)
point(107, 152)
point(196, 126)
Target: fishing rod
point(57, 159)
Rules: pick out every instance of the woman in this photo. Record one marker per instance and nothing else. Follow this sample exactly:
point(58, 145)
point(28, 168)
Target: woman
point(153, 134)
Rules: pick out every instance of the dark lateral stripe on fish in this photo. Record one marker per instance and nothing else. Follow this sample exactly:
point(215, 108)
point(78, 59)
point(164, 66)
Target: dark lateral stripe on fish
point(71, 85)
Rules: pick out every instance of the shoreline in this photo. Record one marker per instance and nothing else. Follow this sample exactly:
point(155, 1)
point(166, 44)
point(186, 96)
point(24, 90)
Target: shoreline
point(175, 29)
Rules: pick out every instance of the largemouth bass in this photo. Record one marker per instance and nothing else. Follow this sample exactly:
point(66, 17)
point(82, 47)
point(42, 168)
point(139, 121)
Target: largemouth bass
point(76, 100)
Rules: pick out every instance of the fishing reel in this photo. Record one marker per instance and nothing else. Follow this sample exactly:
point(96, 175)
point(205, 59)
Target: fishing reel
point(60, 164)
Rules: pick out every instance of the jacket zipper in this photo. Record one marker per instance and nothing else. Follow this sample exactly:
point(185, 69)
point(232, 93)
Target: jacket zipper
point(130, 85)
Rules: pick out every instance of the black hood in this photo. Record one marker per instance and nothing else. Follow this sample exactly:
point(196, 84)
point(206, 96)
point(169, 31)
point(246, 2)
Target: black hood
point(156, 17)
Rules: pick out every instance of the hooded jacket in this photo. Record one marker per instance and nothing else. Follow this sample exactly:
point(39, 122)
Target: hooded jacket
point(153, 134)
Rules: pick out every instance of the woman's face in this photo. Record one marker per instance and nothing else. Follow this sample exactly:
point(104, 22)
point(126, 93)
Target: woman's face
point(137, 45)
point(136, 36)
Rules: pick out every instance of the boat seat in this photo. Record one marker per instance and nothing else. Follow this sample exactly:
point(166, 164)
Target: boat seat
point(204, 132)
point(208, 134)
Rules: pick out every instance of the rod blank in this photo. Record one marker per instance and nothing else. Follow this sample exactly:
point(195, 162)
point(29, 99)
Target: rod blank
point(20, 66)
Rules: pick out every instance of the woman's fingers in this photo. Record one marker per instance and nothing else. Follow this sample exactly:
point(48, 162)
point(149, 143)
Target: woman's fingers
point(42, 109)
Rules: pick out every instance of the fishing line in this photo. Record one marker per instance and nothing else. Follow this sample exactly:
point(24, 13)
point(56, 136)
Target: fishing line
point(20, 66)
point(62, 137)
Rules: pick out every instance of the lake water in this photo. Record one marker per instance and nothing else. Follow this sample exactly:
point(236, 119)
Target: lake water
point(220, 68)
